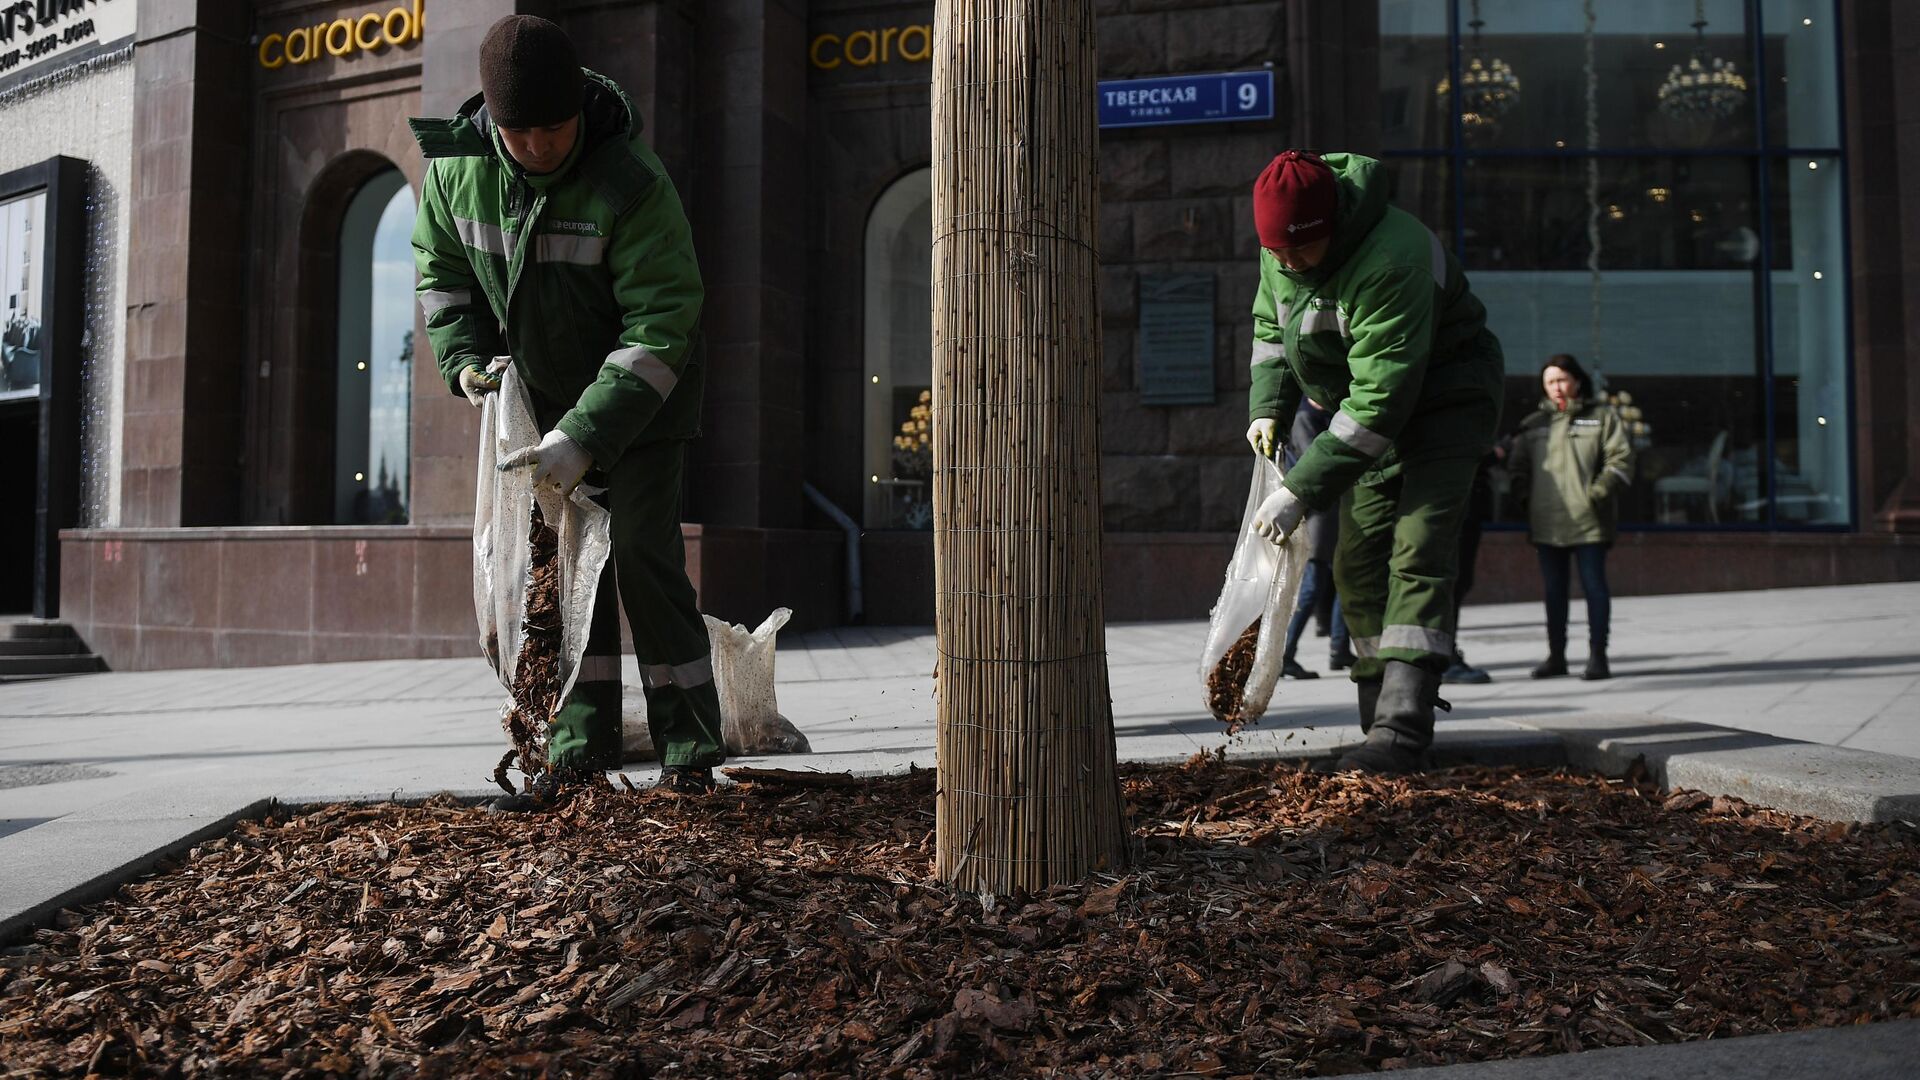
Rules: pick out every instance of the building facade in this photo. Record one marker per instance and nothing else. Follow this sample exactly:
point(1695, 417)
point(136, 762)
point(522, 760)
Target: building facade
point(262, 464)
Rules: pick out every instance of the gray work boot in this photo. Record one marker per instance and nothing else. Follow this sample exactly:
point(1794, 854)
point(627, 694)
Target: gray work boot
point(1402, 727)
point(1369, 702)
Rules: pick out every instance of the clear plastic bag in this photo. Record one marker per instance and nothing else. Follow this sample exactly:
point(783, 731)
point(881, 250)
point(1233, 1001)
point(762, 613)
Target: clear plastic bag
point(1263, 582)
point(750, 720)
point(502, 526)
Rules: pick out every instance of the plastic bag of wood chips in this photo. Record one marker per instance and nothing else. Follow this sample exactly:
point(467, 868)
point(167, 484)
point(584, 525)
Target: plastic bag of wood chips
point(1247, 630)
point(533, 628)
point(750, 719)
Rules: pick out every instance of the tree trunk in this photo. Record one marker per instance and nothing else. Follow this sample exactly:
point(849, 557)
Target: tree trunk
point(1028, 793)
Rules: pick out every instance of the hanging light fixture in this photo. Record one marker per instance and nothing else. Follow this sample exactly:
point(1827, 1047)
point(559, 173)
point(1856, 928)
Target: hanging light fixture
point(1705, 87)
point(1488, 87)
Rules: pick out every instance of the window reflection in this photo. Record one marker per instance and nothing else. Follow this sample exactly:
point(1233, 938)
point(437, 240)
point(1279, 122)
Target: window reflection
point(373, 403)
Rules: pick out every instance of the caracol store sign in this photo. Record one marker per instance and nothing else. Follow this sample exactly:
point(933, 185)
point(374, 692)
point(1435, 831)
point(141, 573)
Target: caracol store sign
point(368, 32)
point(36, 36)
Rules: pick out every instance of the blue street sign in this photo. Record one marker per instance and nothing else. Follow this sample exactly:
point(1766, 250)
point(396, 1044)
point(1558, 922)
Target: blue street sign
point(1186, 99)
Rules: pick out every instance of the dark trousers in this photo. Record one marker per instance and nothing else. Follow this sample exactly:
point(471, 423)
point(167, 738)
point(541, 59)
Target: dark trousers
point(1463, 579)
point(1315, 586)
point(1592, 561)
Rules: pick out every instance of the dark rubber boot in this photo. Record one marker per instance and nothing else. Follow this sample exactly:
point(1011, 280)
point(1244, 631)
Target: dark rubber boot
point(1402, 727)
point(1369, 702)
point(686, 780)
point(1554, 666)
point(1597, 668)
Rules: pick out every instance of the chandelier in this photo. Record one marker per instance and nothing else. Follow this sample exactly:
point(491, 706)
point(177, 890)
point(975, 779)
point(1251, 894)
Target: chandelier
point(1488, 87)
point(1705, 87)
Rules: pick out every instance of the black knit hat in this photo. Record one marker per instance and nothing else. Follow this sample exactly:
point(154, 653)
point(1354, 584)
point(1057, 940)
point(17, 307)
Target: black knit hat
point(529, 73)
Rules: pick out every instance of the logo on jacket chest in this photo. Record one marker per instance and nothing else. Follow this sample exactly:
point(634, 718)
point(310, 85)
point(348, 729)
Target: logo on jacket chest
point(583, 228)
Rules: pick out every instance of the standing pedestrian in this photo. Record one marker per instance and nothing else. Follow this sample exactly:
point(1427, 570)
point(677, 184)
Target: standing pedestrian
point(1361, 308)
point(1570, 463)
point(549, 231)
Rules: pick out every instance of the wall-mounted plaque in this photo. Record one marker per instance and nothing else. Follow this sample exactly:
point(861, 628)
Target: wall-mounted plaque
point(1176, 339)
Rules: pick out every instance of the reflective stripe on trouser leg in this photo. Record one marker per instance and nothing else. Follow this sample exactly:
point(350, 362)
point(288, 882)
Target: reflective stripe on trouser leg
point(1417, 626)
point(669, 637)
point(1360, 573)
point(586, 732)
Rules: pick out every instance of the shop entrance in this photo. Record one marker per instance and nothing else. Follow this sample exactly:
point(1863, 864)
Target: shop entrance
point(19, 505)
point(899, 355)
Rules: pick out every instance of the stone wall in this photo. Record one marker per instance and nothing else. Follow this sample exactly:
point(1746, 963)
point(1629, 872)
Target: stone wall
point(88, 114)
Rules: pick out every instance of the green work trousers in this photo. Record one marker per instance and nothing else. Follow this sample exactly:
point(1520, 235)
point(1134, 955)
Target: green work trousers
point(1395, 564)
point(648, 575)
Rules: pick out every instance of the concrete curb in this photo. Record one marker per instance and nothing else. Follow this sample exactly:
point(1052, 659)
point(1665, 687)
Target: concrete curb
point(1882, 1051)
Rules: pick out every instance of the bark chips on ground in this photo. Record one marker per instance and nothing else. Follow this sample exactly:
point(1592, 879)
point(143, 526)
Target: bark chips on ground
point(1277, 921)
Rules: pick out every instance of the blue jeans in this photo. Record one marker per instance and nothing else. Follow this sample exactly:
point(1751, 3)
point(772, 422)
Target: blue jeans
point(1592, 562)
point(1319, 576)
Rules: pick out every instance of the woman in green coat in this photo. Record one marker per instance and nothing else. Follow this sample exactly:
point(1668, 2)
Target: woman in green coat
point(1569, 465)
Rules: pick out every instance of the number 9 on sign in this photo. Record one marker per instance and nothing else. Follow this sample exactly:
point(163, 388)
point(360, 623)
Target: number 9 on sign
point(1249, 96)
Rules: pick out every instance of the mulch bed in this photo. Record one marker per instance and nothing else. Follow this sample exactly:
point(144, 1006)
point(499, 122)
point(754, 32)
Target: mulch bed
point(1279, 921)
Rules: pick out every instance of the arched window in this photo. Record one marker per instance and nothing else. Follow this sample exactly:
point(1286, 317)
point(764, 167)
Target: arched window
point(375, 370)
point(899, 355)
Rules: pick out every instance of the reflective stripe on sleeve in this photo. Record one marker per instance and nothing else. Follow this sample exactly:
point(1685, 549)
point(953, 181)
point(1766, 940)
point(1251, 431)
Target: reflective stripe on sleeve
point(1359, 436)
point(1418, 638)
point(1264, 351)
point(434, 301)
point(639, 361)
point(1364, 647)
point(685, 676)
point(566, 248)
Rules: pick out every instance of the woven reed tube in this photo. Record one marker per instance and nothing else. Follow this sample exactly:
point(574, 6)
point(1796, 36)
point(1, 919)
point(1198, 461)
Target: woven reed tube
point(1028, 793)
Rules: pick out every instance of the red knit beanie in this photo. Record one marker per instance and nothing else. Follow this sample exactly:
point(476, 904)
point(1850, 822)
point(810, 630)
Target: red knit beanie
point(1294, 201)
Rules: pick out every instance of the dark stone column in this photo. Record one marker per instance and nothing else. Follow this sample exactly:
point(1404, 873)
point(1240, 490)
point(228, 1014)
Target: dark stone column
point(187, 269)
point(1333, 76)
point(1882, 72)
point(747, 195)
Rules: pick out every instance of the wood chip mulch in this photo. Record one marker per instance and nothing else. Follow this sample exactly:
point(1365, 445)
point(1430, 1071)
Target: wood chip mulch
point(1277, 921)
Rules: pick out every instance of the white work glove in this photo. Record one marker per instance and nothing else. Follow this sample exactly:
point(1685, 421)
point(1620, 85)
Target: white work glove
point(1278, 516)
point(477, 382)
point(1260, 437)
point(558, 462)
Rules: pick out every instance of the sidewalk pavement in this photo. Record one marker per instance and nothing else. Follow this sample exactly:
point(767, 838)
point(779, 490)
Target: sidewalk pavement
point(103, 775)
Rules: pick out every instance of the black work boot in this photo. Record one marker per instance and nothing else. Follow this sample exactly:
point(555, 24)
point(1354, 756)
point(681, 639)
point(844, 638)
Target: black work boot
point(1402, 727)
point(1462, 672)
point(1597, 668)
point(686, 780)
point(1292, 670)
point(1554, 666)
point(1369, 702)
point(1339, 659)
point(543, 793)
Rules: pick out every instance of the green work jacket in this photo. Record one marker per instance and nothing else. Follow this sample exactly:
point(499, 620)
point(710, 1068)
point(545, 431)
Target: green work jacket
point(1568, 469)
point(585, 276)
point(1384, 331)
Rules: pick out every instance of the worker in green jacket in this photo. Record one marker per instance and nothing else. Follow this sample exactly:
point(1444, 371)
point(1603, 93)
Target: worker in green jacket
point(1362, 308)
point(548, 232)
point(1570, 463)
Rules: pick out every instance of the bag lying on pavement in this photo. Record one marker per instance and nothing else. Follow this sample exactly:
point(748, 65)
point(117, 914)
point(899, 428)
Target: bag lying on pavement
point(504, 503)
point(1247, 630)
point(750, 720)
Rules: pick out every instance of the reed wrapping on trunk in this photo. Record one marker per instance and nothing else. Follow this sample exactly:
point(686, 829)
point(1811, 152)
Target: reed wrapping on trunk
point(1028, 793)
